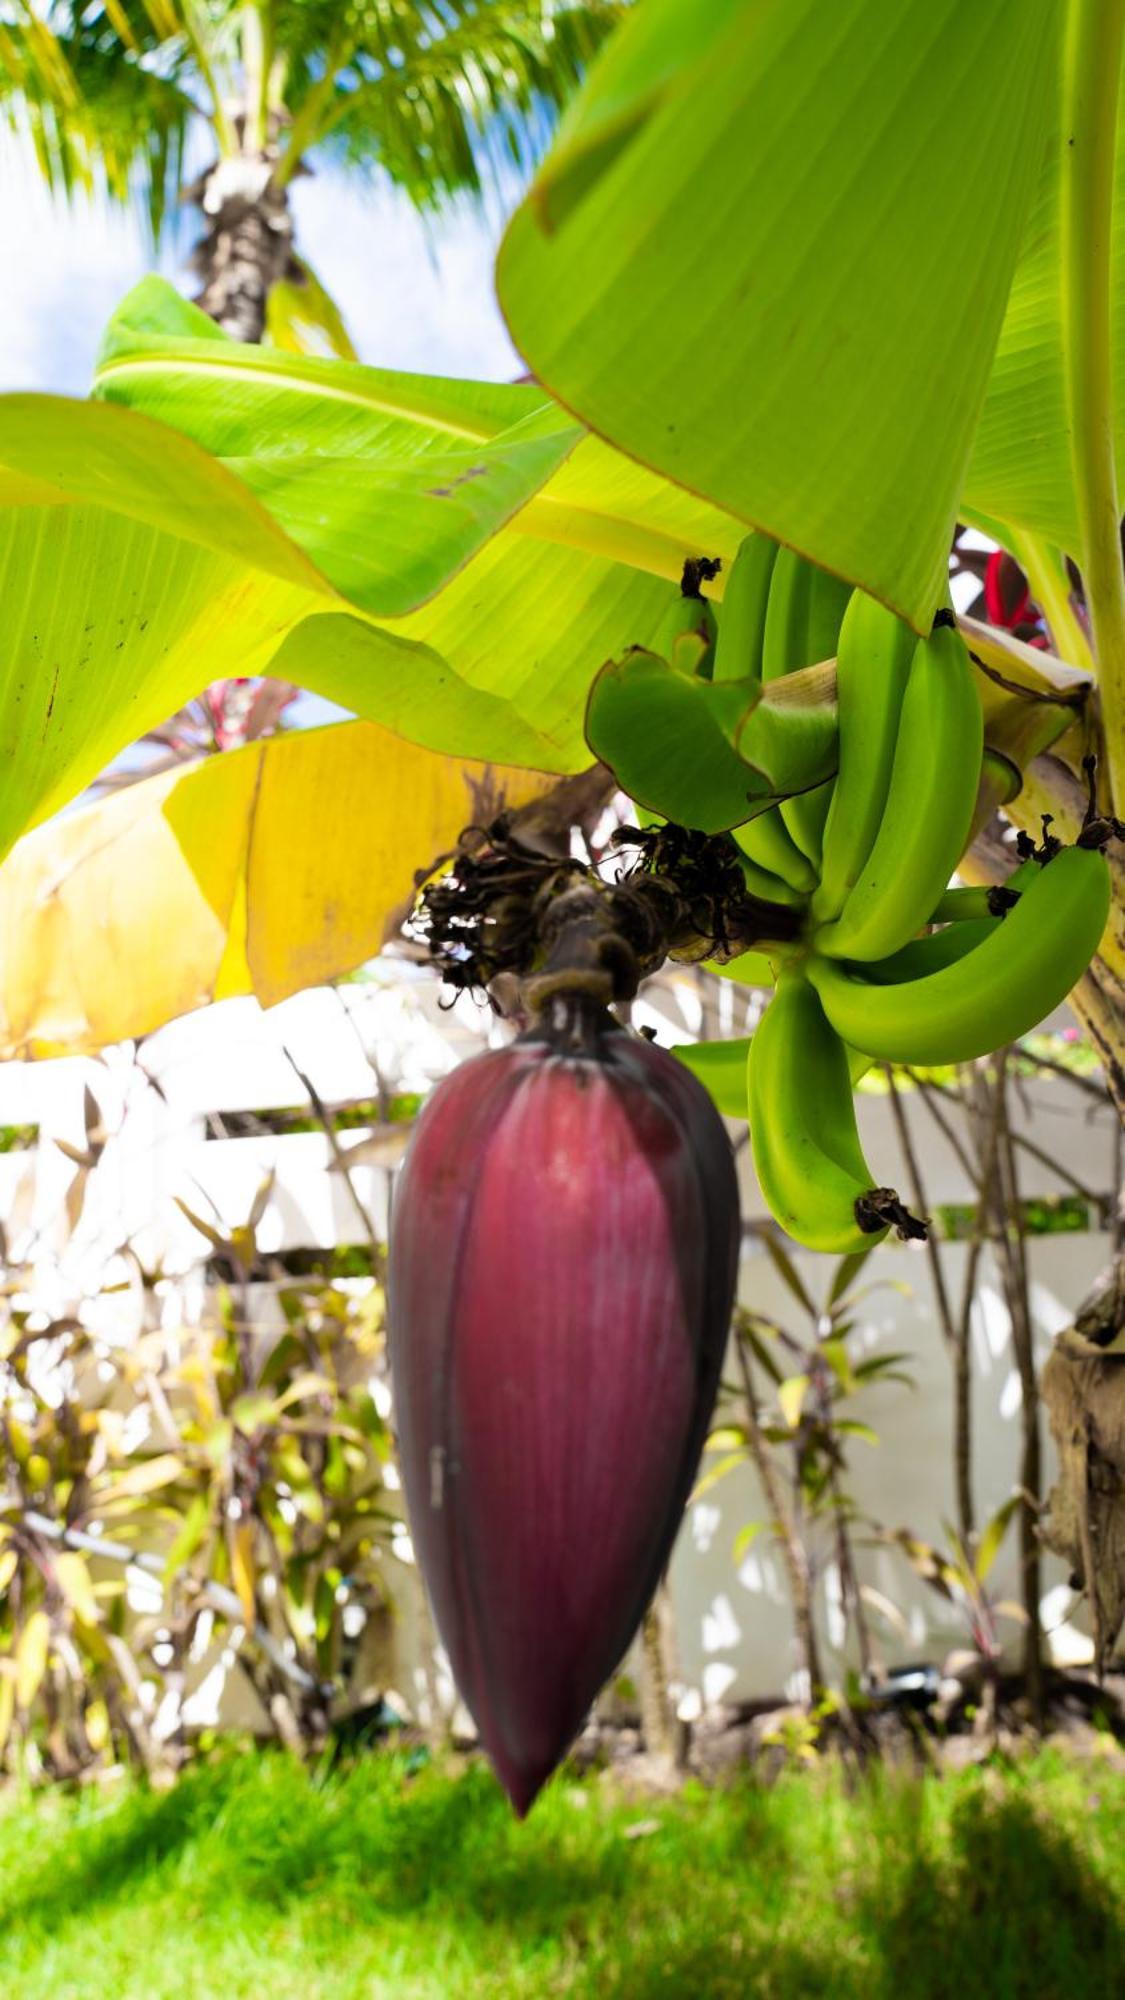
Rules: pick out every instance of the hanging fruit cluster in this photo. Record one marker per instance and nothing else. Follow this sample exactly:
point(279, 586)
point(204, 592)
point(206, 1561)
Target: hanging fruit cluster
point(565, 1236)
point(885, 963)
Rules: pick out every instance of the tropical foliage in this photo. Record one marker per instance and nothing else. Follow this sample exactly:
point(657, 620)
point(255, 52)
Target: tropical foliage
point(456, 561)
point(202, 1487)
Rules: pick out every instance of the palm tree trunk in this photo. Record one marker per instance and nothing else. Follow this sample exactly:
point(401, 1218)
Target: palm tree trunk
point(248, 244)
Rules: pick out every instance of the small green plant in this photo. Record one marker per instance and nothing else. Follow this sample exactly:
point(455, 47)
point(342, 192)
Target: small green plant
point(798, 1442)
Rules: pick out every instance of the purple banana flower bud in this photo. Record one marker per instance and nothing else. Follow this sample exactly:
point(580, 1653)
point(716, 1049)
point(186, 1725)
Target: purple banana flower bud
point(563, 1258)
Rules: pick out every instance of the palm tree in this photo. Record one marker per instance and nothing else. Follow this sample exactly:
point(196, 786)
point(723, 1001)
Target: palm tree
point(440, 96)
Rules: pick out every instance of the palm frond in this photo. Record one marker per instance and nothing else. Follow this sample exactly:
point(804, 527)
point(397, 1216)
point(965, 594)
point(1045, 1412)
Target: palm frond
point(444, 98)
point(106, 102)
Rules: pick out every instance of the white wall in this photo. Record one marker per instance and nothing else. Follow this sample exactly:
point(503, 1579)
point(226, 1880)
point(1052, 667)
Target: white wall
point(734, 1627)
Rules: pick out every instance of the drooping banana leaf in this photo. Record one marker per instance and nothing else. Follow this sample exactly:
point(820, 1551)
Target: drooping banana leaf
point(261, 871)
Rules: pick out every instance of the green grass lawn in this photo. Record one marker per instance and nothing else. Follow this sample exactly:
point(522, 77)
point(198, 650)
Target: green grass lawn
point(252, 1878)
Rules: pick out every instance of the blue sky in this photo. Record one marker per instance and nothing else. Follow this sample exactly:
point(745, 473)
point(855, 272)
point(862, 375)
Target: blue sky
point(415, 295)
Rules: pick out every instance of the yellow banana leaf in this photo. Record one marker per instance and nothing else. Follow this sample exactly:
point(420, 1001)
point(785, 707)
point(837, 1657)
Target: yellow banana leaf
point(262, 871)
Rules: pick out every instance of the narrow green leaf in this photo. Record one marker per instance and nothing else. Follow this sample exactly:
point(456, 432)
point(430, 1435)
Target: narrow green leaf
point(845, 1275)
point(787, 1271)
point(992, 1537)
point(746, 1537)
point(791, 1398)
point(196, 1522)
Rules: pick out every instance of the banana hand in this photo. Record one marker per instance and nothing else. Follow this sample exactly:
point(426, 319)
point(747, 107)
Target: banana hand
point(873, 656)
point(807, 1156)
point(1025, 965)
point(742, 614)
point(929, 805)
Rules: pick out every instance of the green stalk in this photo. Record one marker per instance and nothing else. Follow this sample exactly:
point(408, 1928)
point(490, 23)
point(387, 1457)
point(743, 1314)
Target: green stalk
point(1092, 76)
point(256, 67)
point(1045, 569)
point(196, 39)
point(315, 114)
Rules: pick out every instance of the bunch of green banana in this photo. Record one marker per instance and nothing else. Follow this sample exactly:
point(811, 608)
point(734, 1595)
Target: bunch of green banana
point(891, 965)
point(807, 1154)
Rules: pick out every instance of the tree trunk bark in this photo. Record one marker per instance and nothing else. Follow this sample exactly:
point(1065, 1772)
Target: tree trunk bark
point(1084, 1393)
point(248, 243)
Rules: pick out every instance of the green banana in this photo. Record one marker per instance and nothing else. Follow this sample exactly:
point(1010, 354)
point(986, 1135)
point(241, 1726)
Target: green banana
point(803, 617)
point(742, 613)
point(686, 634)
point(807, 1156)
point(873, 656)
point(1001, 780)
point(768, 887)
point(806, 815)
point(1017, 974)
point(957, 904)
point(924, 955)
point(766, 842)
point(929, 804)
point(787, 615)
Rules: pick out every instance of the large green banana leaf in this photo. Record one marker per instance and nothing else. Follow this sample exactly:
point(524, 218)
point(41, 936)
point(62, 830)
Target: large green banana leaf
point(518, 627)
point(455, 560)
point(771, 255)
point(1021, 471)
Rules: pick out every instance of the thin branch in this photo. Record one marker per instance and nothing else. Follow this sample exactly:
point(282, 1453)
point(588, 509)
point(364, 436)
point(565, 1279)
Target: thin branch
point(339, 1156)
point(792, 1549)
point(929, 1092)
point(1092, 73)
point(1013, 1251)
point(1085, 1084)
point(933, 1251)
point(1096, 1201)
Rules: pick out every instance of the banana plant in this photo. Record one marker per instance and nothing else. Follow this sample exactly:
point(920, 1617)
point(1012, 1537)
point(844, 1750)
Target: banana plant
point(459, 562)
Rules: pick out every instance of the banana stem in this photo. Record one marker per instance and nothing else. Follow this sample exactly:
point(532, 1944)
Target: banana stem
point(1092, 78)
point(1045, 569)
